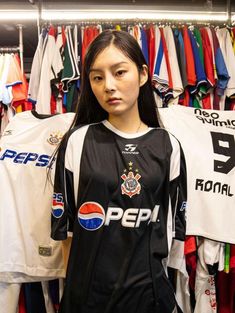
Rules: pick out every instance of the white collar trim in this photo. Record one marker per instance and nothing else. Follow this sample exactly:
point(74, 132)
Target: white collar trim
point(107, 124)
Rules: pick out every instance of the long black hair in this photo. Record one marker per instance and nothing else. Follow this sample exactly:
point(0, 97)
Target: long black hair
point(88, 109)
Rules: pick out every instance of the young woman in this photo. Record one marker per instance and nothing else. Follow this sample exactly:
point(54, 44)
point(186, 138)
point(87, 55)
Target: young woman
point(120, 188)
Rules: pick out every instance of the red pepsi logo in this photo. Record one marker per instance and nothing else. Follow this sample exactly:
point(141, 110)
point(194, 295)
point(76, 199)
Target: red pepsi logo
point(91, 215)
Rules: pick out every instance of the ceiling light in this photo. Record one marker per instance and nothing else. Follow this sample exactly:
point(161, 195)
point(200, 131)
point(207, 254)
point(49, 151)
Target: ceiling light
point(115, 15)
point(10, 15)
point(133, 15)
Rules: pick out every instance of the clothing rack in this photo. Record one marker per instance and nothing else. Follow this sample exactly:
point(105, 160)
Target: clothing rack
point(132, 22)
point(15, 49)
point(229, 11)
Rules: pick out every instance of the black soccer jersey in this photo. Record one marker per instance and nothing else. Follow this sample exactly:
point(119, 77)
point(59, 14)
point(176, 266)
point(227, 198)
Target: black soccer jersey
point(123, 196)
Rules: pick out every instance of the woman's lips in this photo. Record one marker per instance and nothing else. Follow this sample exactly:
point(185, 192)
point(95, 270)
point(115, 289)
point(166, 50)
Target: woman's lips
point(114, 100)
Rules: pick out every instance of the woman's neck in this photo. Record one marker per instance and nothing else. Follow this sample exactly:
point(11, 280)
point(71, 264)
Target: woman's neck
point(128, 125)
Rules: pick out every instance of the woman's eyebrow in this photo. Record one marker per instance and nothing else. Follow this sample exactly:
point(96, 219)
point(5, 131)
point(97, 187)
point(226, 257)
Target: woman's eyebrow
point(114, 65)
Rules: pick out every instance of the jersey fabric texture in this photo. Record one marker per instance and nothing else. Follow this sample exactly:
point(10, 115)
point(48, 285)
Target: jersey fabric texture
point(123, 196)
point(27, 251)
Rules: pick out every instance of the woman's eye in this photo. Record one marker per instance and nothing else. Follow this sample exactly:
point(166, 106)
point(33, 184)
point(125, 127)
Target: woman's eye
point(120, 73)
point(97, 78)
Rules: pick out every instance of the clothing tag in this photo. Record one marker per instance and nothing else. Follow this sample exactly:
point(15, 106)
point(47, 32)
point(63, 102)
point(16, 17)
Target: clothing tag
point(45, 251)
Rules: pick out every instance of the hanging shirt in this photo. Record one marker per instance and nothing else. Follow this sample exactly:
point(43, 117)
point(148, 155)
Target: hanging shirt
point(207, 101)
point(199, 69)
point(169, 92)
point(144, 45)
point(137, 34)
point(207, 137)
point(198, 38)
point(205, 289)
point(229, 58)
point(221, 69)
point(177, 260)
point(160, 76)
point(44, 91)
point(208, 57)
point(190, 65)
point(36, 67)
point(70, 71)
point(173, 61)
point(5, 93)
point(27, 251)
point(208, 30)
point(123, 197)
point(14, 76)
point(89, 34)
point(179, 43)
point(19, 91)
point(56, 73)
point(151, 48)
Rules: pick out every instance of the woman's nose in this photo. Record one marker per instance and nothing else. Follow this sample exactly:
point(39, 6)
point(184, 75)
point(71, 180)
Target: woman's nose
point(109, 84)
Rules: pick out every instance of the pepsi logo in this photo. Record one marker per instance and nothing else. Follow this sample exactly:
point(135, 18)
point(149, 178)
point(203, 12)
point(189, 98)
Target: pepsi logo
point(91, 215)
point(57, 210)
point(58, 205)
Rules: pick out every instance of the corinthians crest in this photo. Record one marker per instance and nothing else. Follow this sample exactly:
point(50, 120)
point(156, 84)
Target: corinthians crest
point(55, 138)
point(131, 185)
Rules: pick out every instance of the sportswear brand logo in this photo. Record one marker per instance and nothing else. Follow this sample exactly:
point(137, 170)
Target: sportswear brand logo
point(26, 157)
point(91, 216)
point(130, 149)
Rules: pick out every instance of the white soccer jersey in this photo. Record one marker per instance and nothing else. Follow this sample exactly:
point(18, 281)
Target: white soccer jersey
point(27, 251)
point(208, 140)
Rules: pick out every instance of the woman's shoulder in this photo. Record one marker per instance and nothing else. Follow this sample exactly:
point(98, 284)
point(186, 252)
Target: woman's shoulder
point(79, 131)
point(166, 133)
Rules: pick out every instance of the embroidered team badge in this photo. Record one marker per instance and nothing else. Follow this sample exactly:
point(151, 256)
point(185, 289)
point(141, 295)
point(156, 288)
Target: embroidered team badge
point(55, 138)
point(131, 185)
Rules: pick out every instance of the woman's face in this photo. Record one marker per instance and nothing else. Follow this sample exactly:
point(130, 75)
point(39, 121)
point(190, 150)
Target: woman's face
point(115, 81)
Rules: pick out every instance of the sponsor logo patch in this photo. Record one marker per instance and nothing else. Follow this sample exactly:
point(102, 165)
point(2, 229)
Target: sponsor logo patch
point(25, 157)
point(91, 215)
point(58, 205)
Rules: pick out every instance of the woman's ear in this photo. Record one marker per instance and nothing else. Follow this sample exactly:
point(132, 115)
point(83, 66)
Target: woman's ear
point(143, 75)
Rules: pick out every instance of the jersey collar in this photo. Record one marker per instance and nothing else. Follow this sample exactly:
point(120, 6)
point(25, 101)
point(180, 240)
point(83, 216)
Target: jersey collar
point(108, 125)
